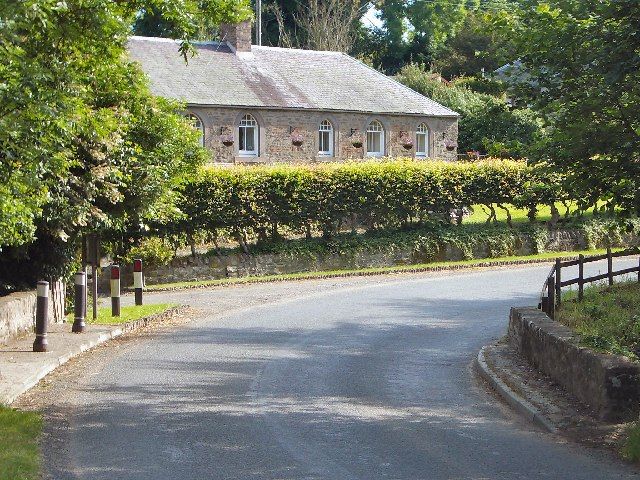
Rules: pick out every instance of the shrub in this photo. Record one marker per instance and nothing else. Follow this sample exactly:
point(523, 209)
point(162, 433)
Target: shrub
point(153, 251)
point(262, 201)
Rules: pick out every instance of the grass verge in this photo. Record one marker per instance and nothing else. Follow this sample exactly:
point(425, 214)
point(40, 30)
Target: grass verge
point(127, 314)
point(608, 318)
point(19, 452)
point(426, 267)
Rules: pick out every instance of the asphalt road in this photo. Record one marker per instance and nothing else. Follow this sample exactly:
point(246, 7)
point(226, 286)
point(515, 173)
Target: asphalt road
point(363, 379)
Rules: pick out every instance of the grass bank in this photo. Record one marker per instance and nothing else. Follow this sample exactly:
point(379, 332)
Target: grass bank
point(19, 452)
point(426, 267)
point(127, 314)
point(608, 318)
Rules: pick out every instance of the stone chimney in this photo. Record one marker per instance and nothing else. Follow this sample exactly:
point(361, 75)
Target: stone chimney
point(237, 35)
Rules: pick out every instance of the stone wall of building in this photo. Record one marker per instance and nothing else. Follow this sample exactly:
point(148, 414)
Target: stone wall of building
point(276, 128)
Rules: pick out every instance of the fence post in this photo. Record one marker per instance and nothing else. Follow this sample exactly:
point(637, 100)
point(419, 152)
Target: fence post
point(557, 282)
point(638, 269)
point(610, 265)
point(580, 277)
point(80, 302)
point(42, 317)
point(115, 291)
point(551, 302)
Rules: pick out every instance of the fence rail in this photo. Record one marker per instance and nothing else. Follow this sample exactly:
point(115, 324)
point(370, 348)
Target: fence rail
point(551, 296)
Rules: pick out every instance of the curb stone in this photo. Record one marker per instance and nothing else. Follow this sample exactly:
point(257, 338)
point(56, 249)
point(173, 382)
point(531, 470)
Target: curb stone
point(8, 397)
point(515, 401)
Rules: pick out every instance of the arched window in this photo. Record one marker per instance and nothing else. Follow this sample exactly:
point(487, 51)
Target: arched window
point(325, 139)
point(422, 140)
point(248, 137)
point(375, 139)
point(197, 123)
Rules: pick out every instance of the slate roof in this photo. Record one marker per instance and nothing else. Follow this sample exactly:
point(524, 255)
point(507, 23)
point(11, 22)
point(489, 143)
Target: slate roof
point(271, 77)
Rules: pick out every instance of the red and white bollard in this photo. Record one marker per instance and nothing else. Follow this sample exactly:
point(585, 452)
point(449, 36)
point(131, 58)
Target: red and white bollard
point(42, 317)
point(80, 302)
point(138, 281)
point(115, 291)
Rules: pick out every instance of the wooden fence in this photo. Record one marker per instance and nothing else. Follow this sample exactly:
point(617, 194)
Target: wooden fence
point(551, 296)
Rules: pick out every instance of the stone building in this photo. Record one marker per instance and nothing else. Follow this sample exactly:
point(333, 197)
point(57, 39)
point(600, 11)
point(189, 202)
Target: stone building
point(258, 104)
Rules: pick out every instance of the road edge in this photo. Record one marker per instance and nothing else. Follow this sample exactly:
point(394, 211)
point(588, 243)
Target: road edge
point(117, 331)
point(515, 401)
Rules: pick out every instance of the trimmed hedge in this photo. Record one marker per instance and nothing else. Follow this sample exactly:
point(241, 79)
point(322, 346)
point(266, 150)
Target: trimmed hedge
point(373, 195)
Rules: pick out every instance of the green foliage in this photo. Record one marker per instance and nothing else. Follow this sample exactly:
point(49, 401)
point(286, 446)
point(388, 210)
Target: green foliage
point(84, 146)
point(412, 31)
point(153, 252)
point(631, 447)
point(584, 77)
point(607, 318)
point(202, 17)
point(256, 201)
point(477, 45)
point(487, 123)
point(19, 452)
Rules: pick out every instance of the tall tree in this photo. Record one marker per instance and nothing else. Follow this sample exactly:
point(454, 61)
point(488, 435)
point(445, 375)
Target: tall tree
point(584, 60)
point(83, 143)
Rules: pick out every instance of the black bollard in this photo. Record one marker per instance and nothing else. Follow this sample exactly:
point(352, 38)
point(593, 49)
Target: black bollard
point(115, 291)
point(80, 302)
point(42, 317)
point(137, 280)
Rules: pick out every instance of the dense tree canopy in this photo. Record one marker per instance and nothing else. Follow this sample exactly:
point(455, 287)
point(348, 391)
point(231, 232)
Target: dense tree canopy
point(584, 60)
point(84, 146)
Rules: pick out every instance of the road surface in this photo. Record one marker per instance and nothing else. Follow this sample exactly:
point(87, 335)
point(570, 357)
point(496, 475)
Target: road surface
point(365, 378)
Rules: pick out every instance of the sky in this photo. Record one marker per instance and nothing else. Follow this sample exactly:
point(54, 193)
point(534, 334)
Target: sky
point(370, 19)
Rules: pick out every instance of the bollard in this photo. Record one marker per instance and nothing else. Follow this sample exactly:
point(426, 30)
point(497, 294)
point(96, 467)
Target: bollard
point(115, 291)
point(80, 302)
point(42, 317)
point(137, 280)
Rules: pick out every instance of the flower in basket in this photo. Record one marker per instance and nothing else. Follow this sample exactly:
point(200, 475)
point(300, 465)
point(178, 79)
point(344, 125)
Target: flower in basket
point(406, 141)
point(449, 145)
point(297, 138)
point(356, 140)
point(226, 139)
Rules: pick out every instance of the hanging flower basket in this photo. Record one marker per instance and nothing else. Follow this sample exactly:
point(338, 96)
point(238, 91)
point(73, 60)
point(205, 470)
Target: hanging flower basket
point(356, 141)
point(450, 145)
point(406, 141)
point(226, 139)
point(297, 139)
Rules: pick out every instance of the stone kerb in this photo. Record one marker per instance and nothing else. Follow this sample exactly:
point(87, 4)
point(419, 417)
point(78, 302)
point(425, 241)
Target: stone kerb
point(608, 384)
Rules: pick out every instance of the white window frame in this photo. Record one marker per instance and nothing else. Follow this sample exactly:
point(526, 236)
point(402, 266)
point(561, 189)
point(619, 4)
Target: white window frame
point(375, 128)
point(422, 131)
point(326, 126)
point(249, 122)
point(197, 123)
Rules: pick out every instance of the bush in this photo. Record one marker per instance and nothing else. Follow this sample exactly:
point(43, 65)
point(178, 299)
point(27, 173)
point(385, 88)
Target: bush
point(487, 123)
point(153, 251)
point(374, 195)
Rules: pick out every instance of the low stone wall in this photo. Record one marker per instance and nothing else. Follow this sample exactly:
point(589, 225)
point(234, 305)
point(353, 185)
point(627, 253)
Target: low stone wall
point(210, 267)
point(18, 312)
point(609, 384)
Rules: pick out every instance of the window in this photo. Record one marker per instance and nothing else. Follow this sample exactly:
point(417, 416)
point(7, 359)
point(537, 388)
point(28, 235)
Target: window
point(197, 123)
point(422, 141)
point(375, 139)
point(325, 139)
point(248, 137)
